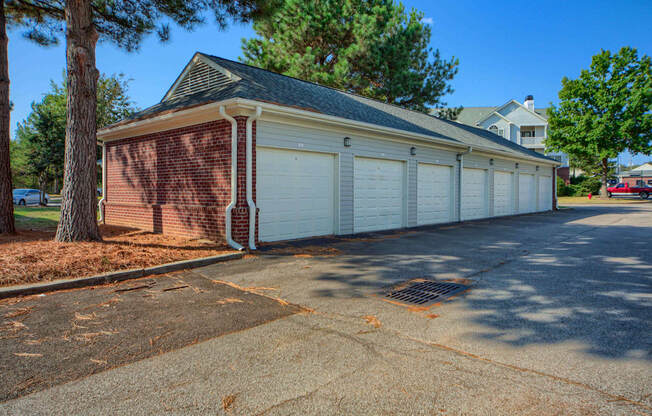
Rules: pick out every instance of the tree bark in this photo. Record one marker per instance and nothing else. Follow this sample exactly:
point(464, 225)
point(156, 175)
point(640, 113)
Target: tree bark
point(78, 207)
point(7, 224)
point(605, 173)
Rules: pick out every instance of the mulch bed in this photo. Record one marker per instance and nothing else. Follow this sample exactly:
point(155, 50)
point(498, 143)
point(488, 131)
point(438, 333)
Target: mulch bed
point(33, 256)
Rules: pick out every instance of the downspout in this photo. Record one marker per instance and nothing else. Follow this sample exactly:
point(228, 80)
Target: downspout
point(460, 158)
point(100, 205)
point(250, 199)
point(234, 178)
point(554, 184)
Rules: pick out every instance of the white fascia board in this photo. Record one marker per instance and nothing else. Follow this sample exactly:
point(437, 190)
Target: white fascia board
point(510, 156)
point(198, 57)
point(545, 122)
point(501, 116)
point(209, 112)
point(181, 76)
point(343, 122)
point(494, 111)
point(531, 112)
point(239, 106)
point(163, 122)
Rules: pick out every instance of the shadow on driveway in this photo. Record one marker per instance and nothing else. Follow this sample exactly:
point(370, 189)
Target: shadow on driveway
point(582, 275)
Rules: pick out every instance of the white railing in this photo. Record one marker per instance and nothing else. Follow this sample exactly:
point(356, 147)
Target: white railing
point(532, 141)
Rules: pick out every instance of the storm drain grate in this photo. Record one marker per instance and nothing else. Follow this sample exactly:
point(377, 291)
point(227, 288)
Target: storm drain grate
point(425, 292)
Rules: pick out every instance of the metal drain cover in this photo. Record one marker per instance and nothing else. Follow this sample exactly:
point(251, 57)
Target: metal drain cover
point(424, 292)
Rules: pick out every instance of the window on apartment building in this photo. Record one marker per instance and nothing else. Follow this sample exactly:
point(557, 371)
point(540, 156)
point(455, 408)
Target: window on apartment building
point(494, 129)
point(556, 157)
point(526, 134)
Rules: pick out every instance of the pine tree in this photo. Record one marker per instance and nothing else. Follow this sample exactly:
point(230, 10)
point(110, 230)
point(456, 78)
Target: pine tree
point(369, 47)
point(123, 23)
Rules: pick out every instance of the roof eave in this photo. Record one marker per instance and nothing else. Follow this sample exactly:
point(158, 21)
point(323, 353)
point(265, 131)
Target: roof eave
point(209, 112)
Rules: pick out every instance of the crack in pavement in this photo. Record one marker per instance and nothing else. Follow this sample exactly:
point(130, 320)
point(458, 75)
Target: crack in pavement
point(613, 397)
point(308, 394)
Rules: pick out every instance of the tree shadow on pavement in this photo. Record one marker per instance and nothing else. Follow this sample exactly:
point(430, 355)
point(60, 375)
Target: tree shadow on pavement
point(579, 275)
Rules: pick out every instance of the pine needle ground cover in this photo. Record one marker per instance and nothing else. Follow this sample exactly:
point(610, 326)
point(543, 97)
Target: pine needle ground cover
point(32, 256)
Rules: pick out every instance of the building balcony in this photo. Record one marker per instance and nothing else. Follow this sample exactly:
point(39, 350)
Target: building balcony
point(533, 142)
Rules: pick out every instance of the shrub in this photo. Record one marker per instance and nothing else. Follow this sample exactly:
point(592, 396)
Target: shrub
point(563, 189)
point(584, 185)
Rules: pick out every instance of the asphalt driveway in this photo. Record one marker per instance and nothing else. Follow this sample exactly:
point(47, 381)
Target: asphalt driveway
point(558, 321)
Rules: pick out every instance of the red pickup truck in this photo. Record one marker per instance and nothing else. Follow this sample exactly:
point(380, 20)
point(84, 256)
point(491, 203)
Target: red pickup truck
point(623, 189)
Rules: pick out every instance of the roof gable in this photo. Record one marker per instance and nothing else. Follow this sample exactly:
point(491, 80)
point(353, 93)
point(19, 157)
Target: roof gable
point(645, 166)
point(199, 75)
point(256, 84)
point(522, 116)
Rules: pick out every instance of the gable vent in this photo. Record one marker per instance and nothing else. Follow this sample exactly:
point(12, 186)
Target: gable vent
point(200, 77)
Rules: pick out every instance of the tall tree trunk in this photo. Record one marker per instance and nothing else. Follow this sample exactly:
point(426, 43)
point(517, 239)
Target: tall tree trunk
point(6, 199)
point(605, 172)
point(78, 206)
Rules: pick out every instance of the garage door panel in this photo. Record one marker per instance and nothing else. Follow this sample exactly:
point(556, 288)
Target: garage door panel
point(545, 193)
point(378, 194)
point(474, 194)
point(295, 193)
point(433, 194)
point(526, 193)
point(503, 193)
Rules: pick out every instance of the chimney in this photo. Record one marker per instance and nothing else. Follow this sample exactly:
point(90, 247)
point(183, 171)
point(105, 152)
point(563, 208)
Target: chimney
point(529, 102)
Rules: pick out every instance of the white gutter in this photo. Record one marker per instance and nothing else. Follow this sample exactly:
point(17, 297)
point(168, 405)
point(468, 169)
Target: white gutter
point(554, 183)
point(234, 178)
point(460, 158)
point(202, 113)
point(250, 199)
point(100, 205)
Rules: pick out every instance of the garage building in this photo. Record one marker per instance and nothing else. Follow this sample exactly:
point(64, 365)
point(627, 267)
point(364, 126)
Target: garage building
point(239, 153)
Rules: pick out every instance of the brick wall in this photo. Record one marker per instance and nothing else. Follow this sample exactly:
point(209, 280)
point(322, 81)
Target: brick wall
point(564, 173)
point(178, 181)
point(634, 180)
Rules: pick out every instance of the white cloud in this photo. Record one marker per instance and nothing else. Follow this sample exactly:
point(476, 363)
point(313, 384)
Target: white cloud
point(427, 21)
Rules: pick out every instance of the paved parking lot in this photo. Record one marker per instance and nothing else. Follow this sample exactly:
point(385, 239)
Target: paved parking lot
point(558, 321)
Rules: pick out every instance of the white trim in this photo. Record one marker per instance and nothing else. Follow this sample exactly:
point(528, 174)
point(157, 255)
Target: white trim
point(249, 177)
point(205, 113)
point(520, 105)
point(197, 57)
point(234, 179)
point(102, 203)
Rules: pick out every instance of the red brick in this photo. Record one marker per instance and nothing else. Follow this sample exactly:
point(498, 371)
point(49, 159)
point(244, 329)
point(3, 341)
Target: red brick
point(178, 181)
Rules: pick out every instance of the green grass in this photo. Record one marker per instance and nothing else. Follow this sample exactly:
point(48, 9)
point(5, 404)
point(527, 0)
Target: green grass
point(36, 218)
point(572, 200)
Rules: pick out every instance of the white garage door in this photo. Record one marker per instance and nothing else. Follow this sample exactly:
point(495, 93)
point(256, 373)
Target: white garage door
point(503, 193)
point(434, 183)
point(295, 193)
point(545, 193)
point(377, 194)
point(474, 194)
point(527, 198)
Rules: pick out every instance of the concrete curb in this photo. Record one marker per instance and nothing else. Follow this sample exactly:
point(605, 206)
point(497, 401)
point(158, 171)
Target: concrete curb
point(110, 277)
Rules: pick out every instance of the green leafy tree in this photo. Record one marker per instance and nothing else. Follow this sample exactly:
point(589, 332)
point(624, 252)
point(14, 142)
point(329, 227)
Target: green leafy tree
point(40, 139)
point(369, 47)
point(123, 23)
point(604, 112)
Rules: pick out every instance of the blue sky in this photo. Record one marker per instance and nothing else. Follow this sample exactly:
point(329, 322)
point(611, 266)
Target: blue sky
point(507, 49)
